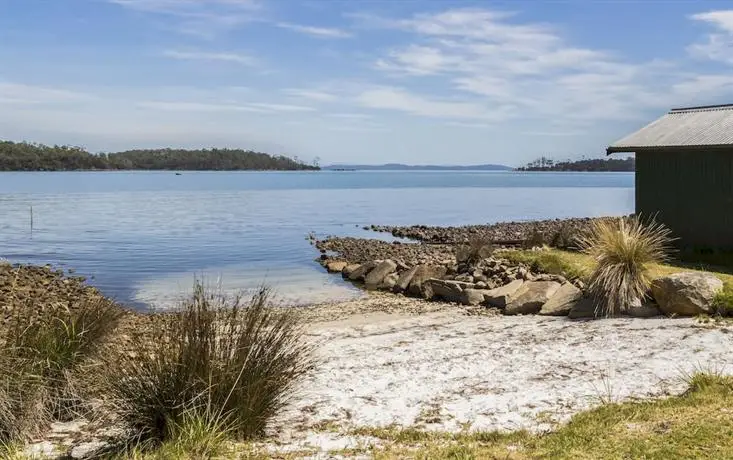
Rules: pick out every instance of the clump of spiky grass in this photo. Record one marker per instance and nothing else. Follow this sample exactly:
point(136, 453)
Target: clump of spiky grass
point(229, 363)
point(477, 248)
point(41, 354)
point(623, 250)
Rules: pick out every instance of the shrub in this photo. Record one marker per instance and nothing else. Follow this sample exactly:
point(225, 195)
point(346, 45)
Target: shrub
point(479, 247)
point(563, 238)
point(218, 360)
point(723, 301)
point(535, 239)
point(623, 250)
point(42, 351)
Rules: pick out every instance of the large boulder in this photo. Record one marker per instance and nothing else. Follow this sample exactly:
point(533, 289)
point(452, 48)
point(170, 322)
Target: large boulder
point(471, 296)
point(378, 273)
point(389, 282)
point(451, 291)
point(584, 308)
point(362, 270)
point(404, 280)
point(530, 298)
point(336, 266)
point(349, 269)
point(422, 274)
point(687, 293)
point(562, 302)
point(640, 309)
point(502, 296)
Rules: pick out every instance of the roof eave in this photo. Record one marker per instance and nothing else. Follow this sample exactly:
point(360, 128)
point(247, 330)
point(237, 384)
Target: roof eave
point(638, 149)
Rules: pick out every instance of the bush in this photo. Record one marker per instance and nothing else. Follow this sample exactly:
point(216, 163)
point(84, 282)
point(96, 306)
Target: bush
point(623, 250)
point(218, 360)
point(723, 301)
point(535, 239)
point(479, 247)
point(41, 359)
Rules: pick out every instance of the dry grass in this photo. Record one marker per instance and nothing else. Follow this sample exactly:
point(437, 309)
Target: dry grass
point(233, 365)
point(623, 251)
point(42, 354)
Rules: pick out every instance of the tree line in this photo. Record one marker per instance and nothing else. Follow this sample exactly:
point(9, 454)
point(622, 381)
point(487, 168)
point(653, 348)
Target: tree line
point(24, 156)
point(585, 164)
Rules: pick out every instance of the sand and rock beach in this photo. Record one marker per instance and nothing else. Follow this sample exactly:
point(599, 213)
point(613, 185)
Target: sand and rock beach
point(399, 357)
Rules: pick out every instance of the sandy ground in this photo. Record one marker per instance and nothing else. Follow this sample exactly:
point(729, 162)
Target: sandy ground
point(437, 367)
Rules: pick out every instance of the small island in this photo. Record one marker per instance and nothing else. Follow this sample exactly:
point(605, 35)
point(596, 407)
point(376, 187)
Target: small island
point(583, 165)
point(24, 156)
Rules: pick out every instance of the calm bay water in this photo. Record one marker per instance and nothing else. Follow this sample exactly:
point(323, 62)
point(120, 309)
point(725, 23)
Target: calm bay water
point(141, 237)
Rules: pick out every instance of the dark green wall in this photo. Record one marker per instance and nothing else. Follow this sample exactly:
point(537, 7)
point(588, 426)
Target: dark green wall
point(689, 191)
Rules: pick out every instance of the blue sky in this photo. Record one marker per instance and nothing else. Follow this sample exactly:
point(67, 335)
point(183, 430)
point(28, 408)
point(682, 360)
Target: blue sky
point(431, 81)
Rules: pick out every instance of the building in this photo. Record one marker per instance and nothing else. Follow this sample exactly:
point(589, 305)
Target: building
point(684, 174)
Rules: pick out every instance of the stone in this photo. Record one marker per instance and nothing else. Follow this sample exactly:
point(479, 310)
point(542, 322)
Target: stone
point(583, 309)
point(640, 309)
point(473, 296)
point(376, 275)
point(687, 293)
point(531, 297)
point(336, 266)
point(501, 296)
point(89, 449)
point(562, 302)
point(389, 282)
point(466, 278)
point(482, 285)
point(404, 279)
point(451, 291)
point(349, 269)
point(362, 270)
point(422, 274)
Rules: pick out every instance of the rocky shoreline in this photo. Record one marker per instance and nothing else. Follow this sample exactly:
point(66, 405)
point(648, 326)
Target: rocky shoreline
point(460, 265)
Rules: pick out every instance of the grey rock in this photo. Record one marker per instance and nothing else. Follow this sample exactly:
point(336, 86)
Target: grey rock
point(531, 297)
point(473, 296)
point(362, 270)
point(687, 293)
point(376, 275)
point(562, 302)
point(583, 309)
point(640, 309)
point(389, 282)
point(422, 274)
point(503, 295)
point(336, 266)
point(451, 291)
point(349, 269)
point(88, 449)
point(466, 278)
point(404, 279)
point(481, 285)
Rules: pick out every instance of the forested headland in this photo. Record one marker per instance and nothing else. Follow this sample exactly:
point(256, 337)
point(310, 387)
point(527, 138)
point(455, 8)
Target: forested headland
point(24, 156)
point(591, 164)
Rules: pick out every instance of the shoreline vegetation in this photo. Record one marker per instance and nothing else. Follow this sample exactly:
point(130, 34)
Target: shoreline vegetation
point(23, 156)
point(84, 377)
point(583, 165)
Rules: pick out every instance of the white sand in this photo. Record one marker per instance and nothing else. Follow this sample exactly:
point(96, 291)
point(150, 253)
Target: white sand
point(445, 370)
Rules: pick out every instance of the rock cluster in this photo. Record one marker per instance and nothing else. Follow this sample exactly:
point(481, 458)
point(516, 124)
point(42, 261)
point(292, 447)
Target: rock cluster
point(516, 290)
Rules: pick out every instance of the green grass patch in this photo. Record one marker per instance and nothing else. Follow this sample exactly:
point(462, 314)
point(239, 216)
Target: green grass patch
point(555, 262)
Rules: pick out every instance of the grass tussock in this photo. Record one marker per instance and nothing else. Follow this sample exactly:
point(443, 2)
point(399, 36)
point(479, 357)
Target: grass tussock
point(624, 251)
point(220, 363)
point(477, 248)
point(696, 424)
point(43, 352)
point(723, 301)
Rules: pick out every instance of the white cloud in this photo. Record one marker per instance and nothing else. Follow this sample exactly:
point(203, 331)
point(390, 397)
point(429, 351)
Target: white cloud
point(22, 94)
point(314, 95)
point(196, 107)
point(718, 46)
point(212, 56)
point(320, 32)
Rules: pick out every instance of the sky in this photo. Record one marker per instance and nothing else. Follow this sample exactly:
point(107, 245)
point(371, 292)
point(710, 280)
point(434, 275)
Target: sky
point(360, 81)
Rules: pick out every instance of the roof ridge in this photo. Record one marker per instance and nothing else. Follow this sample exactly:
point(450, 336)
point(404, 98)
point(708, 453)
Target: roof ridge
point(703, 108)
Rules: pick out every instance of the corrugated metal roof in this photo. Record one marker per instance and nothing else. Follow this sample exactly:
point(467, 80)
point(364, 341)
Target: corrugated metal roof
point(688, 127)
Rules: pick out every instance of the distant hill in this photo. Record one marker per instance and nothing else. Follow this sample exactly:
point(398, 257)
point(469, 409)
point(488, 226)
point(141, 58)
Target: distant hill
point(583, 165)
point(23, 156)
point(401, 167)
